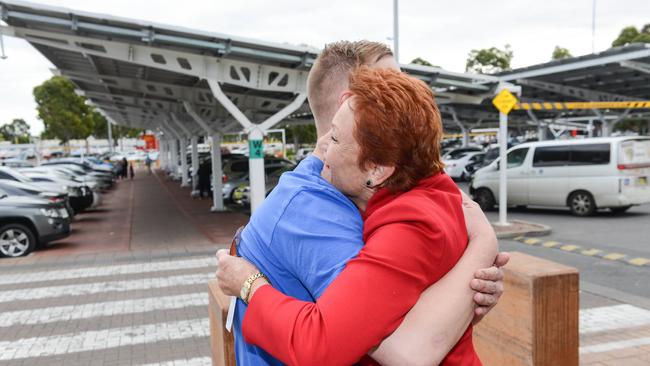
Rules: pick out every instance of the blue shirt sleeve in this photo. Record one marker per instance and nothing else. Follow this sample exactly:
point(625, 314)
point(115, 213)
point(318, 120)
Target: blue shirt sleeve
point(317, 234)
point(310, 165)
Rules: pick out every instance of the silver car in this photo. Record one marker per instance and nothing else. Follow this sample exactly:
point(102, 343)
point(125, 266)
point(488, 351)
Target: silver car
point(28, 222)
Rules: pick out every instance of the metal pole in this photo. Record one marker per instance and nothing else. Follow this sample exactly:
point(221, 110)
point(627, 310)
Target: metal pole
point(217, 174)
point(110, 136)
point(396, 29)
point(503, 169)
point(195, 162)
point(256, 167)
point(593, 28)
point(183, 156)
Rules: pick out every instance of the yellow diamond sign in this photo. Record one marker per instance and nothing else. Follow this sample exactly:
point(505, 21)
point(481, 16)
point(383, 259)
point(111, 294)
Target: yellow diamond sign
point(504, 101)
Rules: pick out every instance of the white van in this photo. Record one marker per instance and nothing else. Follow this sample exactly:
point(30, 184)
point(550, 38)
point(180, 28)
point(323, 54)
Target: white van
point(585, 175)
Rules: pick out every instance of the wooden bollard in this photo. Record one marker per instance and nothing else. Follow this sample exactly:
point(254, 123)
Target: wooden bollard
point(536, 320)
point(222, 342)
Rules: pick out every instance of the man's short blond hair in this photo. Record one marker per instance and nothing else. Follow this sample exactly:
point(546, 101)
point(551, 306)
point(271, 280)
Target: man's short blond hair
point(330, 72)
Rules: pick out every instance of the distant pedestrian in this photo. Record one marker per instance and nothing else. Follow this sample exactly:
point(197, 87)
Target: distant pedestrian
point(131, 171)
point(148, 163)
point(125, 168)
point(204, 172)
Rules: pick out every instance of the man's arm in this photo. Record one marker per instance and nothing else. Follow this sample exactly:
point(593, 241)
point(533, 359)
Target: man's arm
point(436, 323)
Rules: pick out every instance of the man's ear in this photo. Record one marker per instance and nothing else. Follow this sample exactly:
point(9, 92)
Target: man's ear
point(381, 173)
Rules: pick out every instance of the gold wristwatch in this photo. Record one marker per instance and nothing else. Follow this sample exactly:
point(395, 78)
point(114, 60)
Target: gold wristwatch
point(246, 288)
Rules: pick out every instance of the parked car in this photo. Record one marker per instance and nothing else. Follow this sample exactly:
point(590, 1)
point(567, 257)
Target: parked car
point(28, 222)
point(14, 188)
point(303, 153)
point(235, 173)
point(241, 194)
point(80, 197)
point(584, 175)
point(475, 163)
point(455, 163)
point(454, 153)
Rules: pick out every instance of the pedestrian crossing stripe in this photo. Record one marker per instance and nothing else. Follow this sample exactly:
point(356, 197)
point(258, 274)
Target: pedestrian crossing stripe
point(531, 241)
point(550, 244)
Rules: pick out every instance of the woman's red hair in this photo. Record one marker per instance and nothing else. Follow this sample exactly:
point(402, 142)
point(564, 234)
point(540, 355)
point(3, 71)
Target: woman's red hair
point(397, 123)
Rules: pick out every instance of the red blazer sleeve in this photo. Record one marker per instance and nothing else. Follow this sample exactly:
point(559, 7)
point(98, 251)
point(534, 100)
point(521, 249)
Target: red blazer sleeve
point(361, 307)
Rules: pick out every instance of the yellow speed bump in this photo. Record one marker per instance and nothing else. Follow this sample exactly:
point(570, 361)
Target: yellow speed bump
point(531, 241)
point(550, 244)
point(569, 248)
point(591, 252)
point(614, 256)
point(639, 261)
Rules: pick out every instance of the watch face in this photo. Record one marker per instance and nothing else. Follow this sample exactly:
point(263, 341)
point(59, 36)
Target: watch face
point(244, 292)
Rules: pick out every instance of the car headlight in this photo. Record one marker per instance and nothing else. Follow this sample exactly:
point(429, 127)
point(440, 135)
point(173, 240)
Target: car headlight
point(50, 212)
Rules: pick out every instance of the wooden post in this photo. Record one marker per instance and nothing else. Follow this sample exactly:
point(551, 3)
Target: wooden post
point(536, 320)
point(222, 342)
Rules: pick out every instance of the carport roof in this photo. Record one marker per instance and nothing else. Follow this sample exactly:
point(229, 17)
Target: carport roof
point(94, 71)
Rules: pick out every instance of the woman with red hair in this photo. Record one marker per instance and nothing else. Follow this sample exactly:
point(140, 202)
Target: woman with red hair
point(384, 156)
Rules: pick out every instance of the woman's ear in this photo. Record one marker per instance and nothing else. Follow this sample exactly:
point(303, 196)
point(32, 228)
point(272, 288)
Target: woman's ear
point(381, 173)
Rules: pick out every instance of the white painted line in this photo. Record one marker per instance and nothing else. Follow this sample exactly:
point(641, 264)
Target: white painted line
point(197, 361)
point(103, 339)
point(612, 317)
point(110, 270)
point(613, 346)
point(109, 308)
point(101, 287)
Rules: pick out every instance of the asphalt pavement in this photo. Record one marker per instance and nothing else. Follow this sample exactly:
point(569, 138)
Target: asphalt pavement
point(608, 280)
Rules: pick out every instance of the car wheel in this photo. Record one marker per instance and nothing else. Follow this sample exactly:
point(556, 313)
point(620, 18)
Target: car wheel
point(619, 210)
point(463, 177)
point(582, 203)
point(16, 240)
point(485, 199)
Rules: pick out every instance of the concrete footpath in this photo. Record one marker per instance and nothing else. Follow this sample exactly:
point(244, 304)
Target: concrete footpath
point(128, 287)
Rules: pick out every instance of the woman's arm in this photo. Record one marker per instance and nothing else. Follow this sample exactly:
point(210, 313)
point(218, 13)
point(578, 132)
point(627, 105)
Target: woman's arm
point(364, 304)
point(443, 312)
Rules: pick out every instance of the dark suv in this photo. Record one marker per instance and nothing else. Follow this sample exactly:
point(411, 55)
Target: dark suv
point(28, 222)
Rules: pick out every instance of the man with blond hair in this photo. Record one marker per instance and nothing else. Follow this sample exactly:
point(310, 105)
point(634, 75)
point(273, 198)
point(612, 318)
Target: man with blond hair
point(305, 232)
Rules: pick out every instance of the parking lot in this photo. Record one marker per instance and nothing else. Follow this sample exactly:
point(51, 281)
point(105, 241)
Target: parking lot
point(139, 297)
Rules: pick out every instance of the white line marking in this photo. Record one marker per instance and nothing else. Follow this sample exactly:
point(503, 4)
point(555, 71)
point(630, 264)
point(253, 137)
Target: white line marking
point(109, 308)
point(104, 339)
point(197, 361)
point(110, 270)
point(612, 346)
point(612, 317)
point(109, 286)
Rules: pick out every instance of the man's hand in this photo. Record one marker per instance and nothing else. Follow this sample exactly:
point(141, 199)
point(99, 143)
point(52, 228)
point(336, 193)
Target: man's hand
point(232, 272)
point(488, 284)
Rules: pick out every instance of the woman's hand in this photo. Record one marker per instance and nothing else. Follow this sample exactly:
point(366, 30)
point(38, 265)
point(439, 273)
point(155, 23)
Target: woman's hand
point(232, 272)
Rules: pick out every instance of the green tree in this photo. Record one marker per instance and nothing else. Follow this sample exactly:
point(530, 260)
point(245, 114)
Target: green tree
point(631, 34)
point(423, 62)
point(301, 134)
point(17, 131)
point(489, 60)
point(65, 114)
point(560, 53)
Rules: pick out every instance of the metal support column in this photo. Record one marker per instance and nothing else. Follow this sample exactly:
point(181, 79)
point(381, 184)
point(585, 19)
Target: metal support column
point(217, 174)
point(183, 156)
point(503, 169)
point(109, 125)
point(195, 162)
point(255, 137)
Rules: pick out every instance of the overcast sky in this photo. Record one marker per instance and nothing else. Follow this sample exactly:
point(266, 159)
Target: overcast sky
point(442, 32)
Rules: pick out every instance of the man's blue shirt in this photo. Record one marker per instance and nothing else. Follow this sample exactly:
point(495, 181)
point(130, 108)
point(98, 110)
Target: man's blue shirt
point(301, 237)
